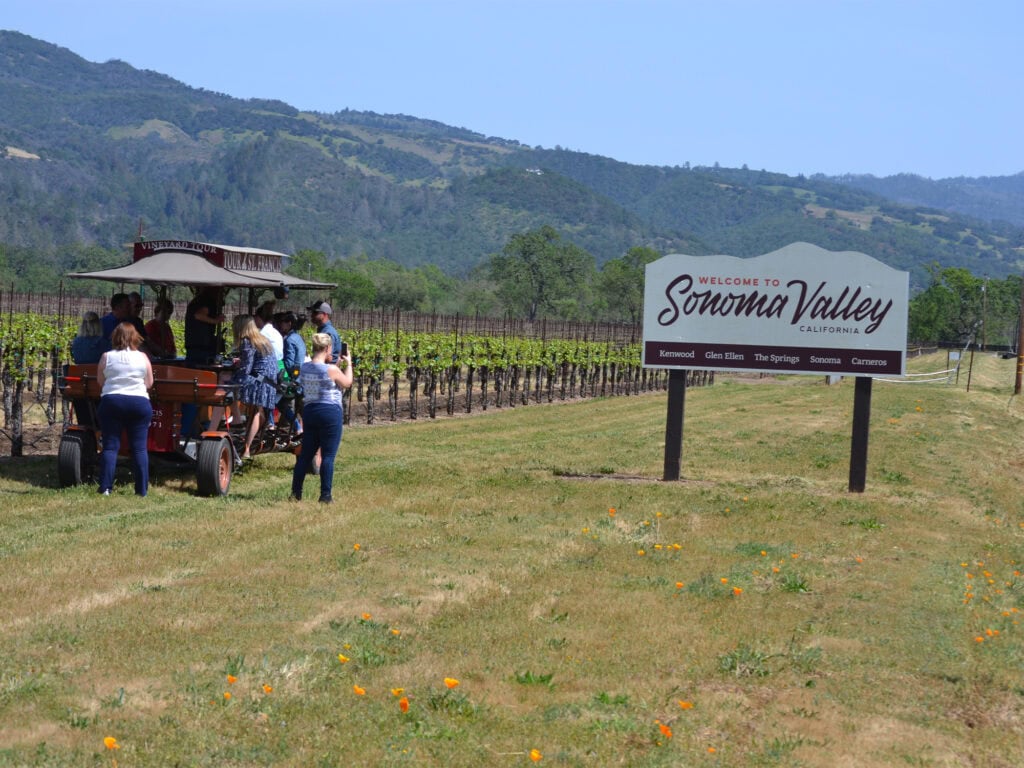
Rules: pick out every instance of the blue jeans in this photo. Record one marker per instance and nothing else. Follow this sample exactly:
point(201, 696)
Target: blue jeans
point(132, 415)
point(321, 430)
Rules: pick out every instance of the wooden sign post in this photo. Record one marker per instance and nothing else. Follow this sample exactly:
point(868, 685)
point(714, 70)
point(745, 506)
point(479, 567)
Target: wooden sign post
point(674, 424)
point(859, 440)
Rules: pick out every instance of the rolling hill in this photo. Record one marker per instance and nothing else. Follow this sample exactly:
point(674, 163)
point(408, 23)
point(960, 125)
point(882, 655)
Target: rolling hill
point(88, 151)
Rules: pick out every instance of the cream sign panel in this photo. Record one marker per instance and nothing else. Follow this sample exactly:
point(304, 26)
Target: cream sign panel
point(800, 309)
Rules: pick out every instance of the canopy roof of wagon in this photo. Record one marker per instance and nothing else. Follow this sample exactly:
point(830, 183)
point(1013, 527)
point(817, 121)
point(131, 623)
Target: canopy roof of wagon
point(185, 262)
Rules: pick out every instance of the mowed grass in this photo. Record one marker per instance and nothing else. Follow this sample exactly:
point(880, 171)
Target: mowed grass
point(755, 613)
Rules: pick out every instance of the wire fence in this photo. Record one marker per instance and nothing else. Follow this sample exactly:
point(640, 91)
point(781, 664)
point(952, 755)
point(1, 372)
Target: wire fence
point(944, 376)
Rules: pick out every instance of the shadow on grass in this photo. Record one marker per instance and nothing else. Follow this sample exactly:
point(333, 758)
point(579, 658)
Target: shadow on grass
point(36, 471)
point(40, 472)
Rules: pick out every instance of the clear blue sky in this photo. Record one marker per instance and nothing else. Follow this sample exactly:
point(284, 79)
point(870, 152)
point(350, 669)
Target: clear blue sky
point(795, 86)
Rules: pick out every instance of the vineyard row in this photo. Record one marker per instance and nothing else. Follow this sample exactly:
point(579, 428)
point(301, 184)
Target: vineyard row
point(397, 374)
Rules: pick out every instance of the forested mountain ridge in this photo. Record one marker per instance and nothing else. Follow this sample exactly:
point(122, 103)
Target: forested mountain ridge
point(88, 151)
point(992, 198)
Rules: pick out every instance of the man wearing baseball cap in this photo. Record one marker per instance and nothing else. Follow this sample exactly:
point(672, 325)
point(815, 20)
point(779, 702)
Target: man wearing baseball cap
point(320, 314)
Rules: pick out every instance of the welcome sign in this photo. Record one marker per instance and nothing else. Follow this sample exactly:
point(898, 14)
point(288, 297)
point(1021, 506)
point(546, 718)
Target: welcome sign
point(800, 309)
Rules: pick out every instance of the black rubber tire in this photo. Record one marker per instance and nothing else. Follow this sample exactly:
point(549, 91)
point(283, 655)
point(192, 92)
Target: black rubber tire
point(76, 458)
point(214, 465)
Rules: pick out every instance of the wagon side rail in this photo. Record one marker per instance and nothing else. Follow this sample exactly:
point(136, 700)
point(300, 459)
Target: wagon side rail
point(172, 384)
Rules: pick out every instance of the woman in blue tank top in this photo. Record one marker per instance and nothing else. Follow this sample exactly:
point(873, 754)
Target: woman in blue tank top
point(322, 387)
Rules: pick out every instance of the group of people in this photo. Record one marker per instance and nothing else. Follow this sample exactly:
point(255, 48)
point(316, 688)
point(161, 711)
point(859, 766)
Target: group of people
point(95, 333)
point(268, 350)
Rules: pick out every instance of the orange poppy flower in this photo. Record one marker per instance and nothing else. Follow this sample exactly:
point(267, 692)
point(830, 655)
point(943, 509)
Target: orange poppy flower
point(232, 679)
point(665, 730)
point(535, 755)
point(343, 658)
point(111, 743)
point(358, 691)
point(403, 704)
point(451, 682)
point(267, 688)
point(367, 617)
point(685, 704)
point(397, 691)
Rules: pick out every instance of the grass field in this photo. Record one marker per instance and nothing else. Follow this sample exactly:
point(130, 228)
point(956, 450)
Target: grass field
point(753, 614)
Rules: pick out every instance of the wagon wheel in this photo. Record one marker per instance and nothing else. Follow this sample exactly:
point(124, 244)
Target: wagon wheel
point(213, 467)
point(76, 458)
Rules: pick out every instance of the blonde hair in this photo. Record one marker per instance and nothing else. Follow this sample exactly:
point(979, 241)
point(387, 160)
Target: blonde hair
point(322, 341)
point(90, 325)
point(244, 327)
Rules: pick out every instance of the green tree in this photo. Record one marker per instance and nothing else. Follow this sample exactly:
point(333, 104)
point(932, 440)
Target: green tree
point(1002, 311)
point(621, 283)
point(951, 308)
point(537, 271)
point(928, 318)
point(442, 290)
point(401, 289)
point(355, 290)
point(967, 308)
point(309, 264)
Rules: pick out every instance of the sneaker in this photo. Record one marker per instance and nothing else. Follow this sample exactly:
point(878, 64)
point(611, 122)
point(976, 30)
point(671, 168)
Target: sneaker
point(105, 493)
point(326, 500)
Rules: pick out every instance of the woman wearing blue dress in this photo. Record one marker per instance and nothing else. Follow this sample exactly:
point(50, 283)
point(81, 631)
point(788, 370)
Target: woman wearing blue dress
point(323, 384)
point(255, 374)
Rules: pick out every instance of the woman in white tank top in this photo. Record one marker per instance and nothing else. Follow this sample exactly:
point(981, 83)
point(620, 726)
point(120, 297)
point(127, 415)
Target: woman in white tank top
point(126, 376)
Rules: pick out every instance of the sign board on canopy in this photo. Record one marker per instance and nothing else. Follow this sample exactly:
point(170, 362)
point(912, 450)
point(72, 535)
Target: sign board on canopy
point(800, 309)
point(226, 256)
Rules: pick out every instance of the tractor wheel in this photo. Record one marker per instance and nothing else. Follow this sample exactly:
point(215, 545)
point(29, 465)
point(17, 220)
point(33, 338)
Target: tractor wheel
point(213, 467)
point(76, 458)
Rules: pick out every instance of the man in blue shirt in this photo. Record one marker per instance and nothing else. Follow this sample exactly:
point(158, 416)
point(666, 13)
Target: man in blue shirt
point(320, 314)
point(120, 310)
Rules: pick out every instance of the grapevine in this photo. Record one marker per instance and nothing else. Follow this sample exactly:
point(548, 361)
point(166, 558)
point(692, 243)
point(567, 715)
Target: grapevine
point(500, 371)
